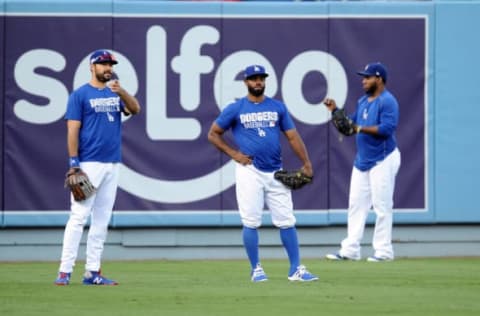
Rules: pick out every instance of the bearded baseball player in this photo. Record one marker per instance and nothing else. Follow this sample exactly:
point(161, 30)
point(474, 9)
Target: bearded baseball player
point(257, 123)
point(94, 146)
point(375, 167)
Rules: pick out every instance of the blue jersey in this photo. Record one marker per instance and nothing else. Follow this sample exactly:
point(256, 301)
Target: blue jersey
point(99, 111)
point(256, 128)
point(383, 111)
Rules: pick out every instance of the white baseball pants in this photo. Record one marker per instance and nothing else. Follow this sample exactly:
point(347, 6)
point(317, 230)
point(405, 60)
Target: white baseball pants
point(104, 176)
point(254, 189)
point(372, 188)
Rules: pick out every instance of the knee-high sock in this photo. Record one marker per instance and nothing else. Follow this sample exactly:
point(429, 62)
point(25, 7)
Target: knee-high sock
point(250, 242)
point(290, 243)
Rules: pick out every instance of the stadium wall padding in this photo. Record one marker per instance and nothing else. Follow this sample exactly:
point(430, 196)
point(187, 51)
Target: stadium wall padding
point(183, 61)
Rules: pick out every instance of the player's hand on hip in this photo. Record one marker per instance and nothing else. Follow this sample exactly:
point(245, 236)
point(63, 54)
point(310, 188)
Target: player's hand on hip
point(307, 169)
point(330, 104)
point(242, 158)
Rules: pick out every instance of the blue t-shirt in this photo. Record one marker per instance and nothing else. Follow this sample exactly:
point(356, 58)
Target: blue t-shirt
point(256, 128)
point(383, 111)
point(99, 110)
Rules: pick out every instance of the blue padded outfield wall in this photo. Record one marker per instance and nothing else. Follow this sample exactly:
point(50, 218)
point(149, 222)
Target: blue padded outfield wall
point(183, 61)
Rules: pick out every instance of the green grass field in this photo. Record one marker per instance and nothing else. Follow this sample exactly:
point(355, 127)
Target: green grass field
point(403, 287)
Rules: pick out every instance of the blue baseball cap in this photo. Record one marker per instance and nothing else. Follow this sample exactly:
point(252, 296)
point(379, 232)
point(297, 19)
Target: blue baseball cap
point(102, 56)
point(254, 70)
point(374, 69)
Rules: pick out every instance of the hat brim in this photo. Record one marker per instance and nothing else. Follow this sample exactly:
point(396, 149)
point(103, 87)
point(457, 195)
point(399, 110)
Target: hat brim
point(365, 74)
point(255, 75)
point(113, 62)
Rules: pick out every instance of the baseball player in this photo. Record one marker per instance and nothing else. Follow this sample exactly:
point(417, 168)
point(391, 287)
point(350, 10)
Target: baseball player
point(375, 167)
point(257, 122)
point(94, 145)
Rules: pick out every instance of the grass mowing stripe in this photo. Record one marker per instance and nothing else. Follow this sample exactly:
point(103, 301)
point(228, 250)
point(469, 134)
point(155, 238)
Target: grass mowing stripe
point(438, 286)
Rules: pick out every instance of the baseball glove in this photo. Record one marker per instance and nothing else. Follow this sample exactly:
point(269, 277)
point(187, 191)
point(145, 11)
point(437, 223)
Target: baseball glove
point(79, 184)
point(294, 179)
point(343, 124)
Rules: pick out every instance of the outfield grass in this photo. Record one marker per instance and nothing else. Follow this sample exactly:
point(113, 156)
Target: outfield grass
point(403, 287)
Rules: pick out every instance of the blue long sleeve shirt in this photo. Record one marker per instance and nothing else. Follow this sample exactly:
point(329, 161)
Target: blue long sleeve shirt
point(382, 111)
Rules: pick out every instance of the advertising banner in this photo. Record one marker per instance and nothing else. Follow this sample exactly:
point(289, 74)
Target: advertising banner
point(184, 70)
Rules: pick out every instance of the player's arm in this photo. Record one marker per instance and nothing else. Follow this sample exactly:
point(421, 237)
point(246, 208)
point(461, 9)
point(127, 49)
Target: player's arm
point(215, 136)
point(387, 122)
point(298, 147)
point(73, 133)
point(131, 103)
point(388, 119)
point(372, 130)
point(75, 179)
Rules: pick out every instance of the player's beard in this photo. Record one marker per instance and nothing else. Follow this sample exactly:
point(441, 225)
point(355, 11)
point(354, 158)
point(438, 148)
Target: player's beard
point(257, 92)
point(104, 76)
point(372, 89)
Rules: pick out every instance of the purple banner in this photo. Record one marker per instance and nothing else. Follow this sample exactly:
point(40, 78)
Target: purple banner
point(184, 71)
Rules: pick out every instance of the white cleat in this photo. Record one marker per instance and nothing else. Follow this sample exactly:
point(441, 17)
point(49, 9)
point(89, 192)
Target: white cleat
point(258, 275)
point(303, 275)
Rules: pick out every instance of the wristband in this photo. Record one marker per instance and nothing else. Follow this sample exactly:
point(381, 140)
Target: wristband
point(358, 129)
point(73, 162)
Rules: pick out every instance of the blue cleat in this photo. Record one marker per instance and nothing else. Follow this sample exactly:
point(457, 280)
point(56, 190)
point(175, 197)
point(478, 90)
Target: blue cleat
point(258, 275)
point(302, 275)
point(95, 278)
point(63, 278)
